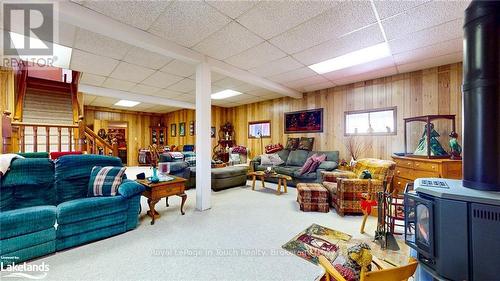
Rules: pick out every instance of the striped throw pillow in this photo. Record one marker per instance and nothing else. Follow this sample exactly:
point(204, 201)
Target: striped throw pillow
point(104, 181)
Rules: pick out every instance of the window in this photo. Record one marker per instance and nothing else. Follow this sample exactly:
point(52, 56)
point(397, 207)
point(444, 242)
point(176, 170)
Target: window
point(371, 122)
point(259, 129)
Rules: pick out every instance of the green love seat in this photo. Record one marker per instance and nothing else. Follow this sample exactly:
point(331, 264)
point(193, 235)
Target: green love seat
point(44, 206)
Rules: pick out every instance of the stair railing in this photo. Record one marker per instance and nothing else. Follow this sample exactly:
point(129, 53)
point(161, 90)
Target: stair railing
point(94, 144)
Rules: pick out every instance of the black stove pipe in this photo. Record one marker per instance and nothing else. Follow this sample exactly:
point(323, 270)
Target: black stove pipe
point(481, 96)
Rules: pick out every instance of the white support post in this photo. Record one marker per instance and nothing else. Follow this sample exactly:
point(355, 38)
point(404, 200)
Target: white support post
point(203, 139)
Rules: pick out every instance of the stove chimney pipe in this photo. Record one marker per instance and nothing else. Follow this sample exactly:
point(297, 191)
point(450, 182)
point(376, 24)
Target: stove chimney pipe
point(481, 96)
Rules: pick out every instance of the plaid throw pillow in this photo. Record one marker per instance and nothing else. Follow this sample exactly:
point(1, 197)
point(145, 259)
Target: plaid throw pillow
point(104, 181)
point(190, 158)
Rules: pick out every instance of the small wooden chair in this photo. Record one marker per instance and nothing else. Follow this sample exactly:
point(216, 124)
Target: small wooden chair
point(400, 273)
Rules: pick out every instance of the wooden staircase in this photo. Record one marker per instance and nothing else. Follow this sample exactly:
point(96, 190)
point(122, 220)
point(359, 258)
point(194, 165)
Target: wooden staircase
point(48, 118)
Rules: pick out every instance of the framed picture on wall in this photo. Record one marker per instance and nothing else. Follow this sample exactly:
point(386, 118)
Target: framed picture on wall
point(304, 121)
point(212, 132)
point(191, 128)
point(182, 129)
point(173, 130)
point(259, 129)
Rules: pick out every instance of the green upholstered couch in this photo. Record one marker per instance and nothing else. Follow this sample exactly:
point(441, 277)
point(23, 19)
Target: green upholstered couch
point(294, 160)
point(37, 194)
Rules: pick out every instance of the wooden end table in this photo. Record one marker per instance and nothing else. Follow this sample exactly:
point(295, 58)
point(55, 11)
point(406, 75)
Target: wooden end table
point(156, 191)
point(262, 176)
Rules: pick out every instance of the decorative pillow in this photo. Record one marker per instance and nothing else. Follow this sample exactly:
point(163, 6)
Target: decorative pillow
point(104, 181)
point(306, 169)
point(292, 143)
point(306, 143)
point(271, 159)
point(190, 158)
point(235, 158)
point(273, 148)
point(176, 155)
point(317, 160)
point(240, 150)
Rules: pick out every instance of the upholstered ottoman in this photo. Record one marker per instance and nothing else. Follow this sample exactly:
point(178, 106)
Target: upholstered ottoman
point(227, 177)
point(312, 197)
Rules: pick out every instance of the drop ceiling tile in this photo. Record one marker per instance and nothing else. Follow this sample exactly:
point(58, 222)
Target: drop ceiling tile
point(387, 9)
point(161, 79)
point(140, 14)
point(383, 72)
point(228, 83)
point(229, 41)
point(422, 17)
point(100, 45)
point(275, 67)
point(167, 94)
point(188, 22)
point(440, 49)
point(360, 39)
point(256, 56)
point(432, 62)
point(246, 88)
point(232, 9)
point(426, 37)
point(186, 85)
point(301, 83)
point(66, 34)
point(146, 58)
point(359, 69)
point(292, 75)
point(319, 86)
point(270, 18)
point(179, 68)
point(215, 76)
point(104, 101)
point(186, 98)
point(88, 99)
point(90, 63)
point(118, 84)
point(144, 89)
point(347, 16)
point(91, 79)
point(131, 72)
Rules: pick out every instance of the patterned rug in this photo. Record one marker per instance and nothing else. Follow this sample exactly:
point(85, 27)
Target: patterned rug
point(317, 240)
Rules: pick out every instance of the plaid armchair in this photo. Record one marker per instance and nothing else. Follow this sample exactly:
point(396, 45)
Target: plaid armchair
point(346, 187)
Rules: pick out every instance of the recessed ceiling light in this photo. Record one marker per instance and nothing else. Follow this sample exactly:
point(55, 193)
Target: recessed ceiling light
point(354, 58)
point(127, 103)
point(60, 58)
point(225, 94)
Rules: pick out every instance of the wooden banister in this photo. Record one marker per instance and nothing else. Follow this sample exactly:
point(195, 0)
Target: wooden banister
point(21, 77)
point(99, 143)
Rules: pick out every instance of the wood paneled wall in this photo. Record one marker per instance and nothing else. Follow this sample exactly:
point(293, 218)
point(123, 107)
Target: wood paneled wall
point(137, 127)
point(219, 117)
point(431, 91)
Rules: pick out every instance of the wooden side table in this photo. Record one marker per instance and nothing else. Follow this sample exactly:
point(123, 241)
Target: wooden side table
point(156, 191)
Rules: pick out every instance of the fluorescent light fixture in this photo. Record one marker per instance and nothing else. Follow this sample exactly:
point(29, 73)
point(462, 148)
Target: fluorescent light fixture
point(225, 94)
point(60, 58)
point(127, 103)
point(354, 58)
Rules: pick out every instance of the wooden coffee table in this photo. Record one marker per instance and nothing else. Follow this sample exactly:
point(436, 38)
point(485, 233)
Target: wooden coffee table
point(156, 191)
point(262, 176)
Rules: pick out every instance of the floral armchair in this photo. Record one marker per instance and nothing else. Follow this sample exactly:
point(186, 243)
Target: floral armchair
point(346, 187)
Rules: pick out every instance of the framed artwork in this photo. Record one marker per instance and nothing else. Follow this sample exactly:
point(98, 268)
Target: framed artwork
point(259, 129)
point(212, 132)
point(304, 121)
point(173, 130)
point(182, 129)
point(191, 128)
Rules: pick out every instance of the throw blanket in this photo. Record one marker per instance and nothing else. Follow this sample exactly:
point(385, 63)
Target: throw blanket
point(5, 160)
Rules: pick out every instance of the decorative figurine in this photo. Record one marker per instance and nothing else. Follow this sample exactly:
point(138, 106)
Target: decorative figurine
point(155, 155)
point(436, 148)
point(456, 149)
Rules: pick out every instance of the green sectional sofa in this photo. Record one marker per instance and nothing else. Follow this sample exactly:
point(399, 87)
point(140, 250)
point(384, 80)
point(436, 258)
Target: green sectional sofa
point(44, 206)
point(294, 160)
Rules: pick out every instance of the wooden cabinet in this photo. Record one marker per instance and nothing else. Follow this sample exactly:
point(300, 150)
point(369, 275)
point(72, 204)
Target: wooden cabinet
point(158, 135)
point(409, 168)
